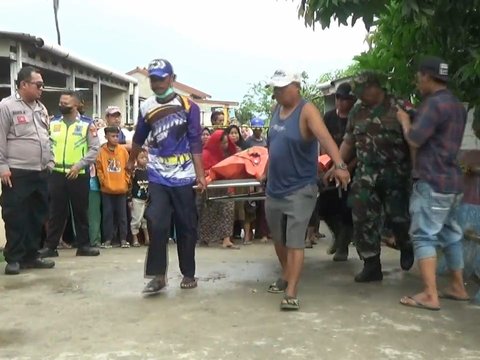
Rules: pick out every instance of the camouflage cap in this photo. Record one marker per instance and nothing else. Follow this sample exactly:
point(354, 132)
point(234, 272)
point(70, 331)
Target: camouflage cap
point(367, 78)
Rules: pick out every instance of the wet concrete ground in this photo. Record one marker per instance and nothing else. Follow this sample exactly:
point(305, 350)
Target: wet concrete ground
point(91, 308)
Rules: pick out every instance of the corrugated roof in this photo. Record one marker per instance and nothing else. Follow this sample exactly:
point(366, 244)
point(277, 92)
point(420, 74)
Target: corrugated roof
point(66, 54)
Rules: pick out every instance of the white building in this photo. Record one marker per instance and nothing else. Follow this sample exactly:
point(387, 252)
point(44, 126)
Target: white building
point(63, 70)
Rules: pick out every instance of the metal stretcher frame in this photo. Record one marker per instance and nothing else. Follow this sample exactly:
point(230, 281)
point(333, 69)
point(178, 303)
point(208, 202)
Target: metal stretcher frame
point(247, 184)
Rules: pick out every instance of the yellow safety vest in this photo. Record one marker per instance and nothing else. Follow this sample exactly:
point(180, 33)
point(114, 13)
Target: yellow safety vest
point(69, 143)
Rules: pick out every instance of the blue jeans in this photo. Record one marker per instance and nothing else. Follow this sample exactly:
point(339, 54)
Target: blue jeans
point(434, 224)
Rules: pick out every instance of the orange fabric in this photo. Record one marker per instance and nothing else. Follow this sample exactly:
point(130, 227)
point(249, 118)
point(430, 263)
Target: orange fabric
point(247, 164)
point(111, 170)
point(324, 162)
point(213, 153)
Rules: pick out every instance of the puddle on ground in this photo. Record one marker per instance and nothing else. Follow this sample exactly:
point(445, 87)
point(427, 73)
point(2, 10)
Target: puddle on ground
point(9, 337)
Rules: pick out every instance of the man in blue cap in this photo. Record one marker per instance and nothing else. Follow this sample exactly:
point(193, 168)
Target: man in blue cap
point(257, 139)
point(170, 125)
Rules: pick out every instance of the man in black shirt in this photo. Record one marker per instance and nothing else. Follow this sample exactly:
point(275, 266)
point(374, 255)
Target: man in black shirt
point(333, 209)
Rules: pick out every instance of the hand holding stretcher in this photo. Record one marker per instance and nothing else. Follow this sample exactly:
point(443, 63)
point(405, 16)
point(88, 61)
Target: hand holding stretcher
point(244, 170)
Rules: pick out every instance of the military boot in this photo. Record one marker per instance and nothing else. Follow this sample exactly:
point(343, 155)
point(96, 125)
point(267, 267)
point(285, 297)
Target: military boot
point(332, 225)
point(372, 270)
point(342, 240)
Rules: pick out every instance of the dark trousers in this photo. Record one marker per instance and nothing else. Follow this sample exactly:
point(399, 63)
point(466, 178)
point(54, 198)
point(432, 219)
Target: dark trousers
point(261, 225)
point(114, 216)
point(336, 213)
point(24, 212)
point(63, 193)
point(165, 201)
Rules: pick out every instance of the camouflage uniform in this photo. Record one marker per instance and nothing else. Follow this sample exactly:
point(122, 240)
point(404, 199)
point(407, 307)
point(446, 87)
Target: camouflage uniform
point(380, 187)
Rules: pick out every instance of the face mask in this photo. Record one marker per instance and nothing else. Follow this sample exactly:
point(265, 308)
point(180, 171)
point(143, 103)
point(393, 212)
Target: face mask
point(166, 94)
point(65, 110)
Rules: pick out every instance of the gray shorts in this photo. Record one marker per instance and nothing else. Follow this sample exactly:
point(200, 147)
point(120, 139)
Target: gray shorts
point(288, 217)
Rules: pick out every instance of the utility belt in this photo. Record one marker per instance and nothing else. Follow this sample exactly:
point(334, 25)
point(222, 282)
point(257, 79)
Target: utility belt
point(174, 159)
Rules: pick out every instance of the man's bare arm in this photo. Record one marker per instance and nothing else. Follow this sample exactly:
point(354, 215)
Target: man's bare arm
point(319, 130)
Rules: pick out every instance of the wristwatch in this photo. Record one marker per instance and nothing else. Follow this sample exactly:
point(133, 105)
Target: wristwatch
point(341, 166)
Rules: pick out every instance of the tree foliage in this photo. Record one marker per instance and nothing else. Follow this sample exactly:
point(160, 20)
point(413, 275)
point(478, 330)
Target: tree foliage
point(404, 30)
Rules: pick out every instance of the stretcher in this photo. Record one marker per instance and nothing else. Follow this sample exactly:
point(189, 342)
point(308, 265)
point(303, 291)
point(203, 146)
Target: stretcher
point(252, 189)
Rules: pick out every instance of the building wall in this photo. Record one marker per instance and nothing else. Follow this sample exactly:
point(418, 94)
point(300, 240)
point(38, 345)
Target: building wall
point(470, 141)
point(143, 85)
point(114, 97)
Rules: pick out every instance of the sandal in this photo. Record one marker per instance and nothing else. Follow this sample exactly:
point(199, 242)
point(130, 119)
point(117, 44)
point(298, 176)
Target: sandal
point(136, 244)
point(411, 302)
point(231, 247)
point(289, 303)
point(247, 242)
point(278, 286)
point(63, 245)
point(154, 286)
point(188, 283)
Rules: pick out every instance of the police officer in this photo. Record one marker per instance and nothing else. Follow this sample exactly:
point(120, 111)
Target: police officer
point(25, 160)
point(382, 178)
point(75, 147)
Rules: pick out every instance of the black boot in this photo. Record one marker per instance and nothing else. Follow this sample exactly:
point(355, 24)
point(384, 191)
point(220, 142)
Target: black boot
point(342, 241)
point(372, 270)
point(406, 257)
point(330, 221)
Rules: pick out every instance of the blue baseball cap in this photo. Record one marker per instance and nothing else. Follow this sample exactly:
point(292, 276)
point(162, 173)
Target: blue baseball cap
point(160, 68)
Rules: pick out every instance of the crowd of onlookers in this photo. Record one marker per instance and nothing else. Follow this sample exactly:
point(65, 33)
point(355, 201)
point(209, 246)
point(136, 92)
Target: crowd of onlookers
point(117, 203)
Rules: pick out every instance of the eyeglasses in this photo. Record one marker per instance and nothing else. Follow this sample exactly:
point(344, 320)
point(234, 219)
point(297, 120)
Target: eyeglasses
point(39, 84)
point(257, 128)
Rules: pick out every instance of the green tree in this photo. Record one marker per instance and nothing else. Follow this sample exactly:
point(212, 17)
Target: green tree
point(404, 30)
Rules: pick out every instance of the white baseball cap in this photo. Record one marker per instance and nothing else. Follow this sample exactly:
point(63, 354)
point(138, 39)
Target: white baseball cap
point(113, 110)
point(283, 78)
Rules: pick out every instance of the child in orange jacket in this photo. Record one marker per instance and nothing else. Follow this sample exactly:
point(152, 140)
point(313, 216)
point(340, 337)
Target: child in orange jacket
point(114, 183)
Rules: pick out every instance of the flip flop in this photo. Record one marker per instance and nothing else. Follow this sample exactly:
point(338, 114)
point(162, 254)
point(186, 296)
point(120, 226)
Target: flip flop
point(451, 297)
point(231, 247)
point(289, 303)
point(154, 287)
point(188, 283)
point(278, 287)
point(411, 302)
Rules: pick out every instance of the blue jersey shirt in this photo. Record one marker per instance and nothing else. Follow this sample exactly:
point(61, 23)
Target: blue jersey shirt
point(172, 133)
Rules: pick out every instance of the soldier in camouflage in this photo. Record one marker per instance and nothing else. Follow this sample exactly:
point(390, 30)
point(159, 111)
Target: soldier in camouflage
point(380, 188)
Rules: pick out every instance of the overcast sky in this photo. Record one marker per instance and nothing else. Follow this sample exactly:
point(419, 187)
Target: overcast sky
point(217, 46)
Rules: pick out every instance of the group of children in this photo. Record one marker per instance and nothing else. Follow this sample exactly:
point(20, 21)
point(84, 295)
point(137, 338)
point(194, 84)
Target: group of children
point(115, 188)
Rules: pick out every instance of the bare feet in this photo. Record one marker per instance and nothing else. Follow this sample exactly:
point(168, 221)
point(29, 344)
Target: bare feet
point(454, 293)
point(228, 244)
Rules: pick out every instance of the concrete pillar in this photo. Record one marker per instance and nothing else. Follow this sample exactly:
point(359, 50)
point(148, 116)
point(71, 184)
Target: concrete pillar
point(15, 67)
point(71, 81)
point(97, 98)
point(129, 117)
point(136, 103)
